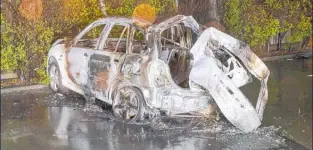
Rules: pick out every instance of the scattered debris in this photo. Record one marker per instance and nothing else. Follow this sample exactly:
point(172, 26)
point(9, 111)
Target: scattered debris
point(303, 56)
point(92, 108)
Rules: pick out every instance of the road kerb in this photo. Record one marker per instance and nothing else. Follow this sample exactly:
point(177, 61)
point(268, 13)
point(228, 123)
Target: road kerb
point(23, 88)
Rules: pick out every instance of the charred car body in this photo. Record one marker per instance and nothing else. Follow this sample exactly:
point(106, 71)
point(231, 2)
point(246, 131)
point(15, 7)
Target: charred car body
point(139, 68)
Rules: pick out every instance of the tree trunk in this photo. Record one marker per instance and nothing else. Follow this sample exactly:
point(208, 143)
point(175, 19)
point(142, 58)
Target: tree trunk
point(268, 45)
point(304, 43)
point(102, 5)
point(280, 38)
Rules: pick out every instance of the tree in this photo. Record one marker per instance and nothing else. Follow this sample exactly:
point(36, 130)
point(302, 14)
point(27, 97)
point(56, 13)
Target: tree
point(256, 21)
point(25, 39)
point(294, 16)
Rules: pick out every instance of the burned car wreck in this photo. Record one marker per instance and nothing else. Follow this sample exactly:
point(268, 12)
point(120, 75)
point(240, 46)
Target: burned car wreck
point(173, 67)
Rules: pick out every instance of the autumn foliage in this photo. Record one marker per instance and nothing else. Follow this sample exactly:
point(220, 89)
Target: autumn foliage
point(31, 9)
point(146, 12)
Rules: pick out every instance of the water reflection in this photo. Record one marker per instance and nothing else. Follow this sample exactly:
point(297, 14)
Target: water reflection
point(79, 131)
point(290, 98)
point(72, 126)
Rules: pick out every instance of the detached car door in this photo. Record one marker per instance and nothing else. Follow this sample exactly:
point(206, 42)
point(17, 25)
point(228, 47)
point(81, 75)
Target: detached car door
point(84, 45)
point(220, 65)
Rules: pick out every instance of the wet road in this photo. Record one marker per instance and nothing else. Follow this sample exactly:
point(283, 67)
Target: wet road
point(39, 120)
point(290, 98)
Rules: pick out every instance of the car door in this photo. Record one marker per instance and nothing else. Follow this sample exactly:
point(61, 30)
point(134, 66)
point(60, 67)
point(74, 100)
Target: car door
point(220, 66)
point(104, 63)
point(78, 55)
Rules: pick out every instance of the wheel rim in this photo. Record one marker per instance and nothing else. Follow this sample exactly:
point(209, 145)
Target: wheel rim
point(54, 78)
point(126, 104)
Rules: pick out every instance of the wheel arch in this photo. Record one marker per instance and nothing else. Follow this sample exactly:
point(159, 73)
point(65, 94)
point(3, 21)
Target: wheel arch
point(60, 63)
point(51, 60)
point(118, 84)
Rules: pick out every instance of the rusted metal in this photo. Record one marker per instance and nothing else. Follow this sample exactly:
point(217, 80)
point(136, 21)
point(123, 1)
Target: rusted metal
point(212, 65)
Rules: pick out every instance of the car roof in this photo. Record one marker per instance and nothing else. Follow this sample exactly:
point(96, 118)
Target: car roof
point(188, 21)
point(132, 20)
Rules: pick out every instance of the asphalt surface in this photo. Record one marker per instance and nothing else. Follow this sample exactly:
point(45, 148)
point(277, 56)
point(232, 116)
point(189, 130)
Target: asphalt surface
point(43, 120)
point(37, 119)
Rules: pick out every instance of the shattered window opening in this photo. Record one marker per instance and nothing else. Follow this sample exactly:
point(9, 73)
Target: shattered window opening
point(138, 41)
point(117, 39)
point(91, 38)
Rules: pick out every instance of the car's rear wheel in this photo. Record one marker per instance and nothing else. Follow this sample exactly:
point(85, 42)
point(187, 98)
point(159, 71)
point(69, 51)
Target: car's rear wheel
point(128, 104)
point(56, 79)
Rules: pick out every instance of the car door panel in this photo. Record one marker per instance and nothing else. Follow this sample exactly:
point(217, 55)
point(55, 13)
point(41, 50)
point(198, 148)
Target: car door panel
point(98, 68)
point(103, 69)
point(78, 55)
point(103, 64)
point(78, 64)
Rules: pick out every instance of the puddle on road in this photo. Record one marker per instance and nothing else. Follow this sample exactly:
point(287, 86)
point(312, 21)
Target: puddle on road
point(41, 120)
point(290, 98)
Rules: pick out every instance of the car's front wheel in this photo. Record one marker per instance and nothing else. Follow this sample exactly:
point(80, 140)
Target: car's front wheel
point(56, 79)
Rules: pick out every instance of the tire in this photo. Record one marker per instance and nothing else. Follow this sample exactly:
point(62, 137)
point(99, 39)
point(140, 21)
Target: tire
point(128, 104)
point(56, 79)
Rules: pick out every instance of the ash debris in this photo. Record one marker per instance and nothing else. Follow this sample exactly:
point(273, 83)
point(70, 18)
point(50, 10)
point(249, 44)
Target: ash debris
point(60, 100)
point(222, 131)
